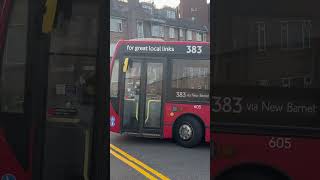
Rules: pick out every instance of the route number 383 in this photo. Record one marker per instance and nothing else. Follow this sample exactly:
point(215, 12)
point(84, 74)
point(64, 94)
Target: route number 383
point(227, 104)
point(181, 94)
point(194, 49)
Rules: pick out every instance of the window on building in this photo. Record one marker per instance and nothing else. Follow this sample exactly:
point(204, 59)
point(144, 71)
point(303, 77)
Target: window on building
point(204, 37)
point(261, 36)
point(140, 33)
point(191, 77)
point(181, 33)
point(115, 25)
point(193, 18)
point(199, 36)
point(171, 32)
point(307, 81)
point(161, 31)
point(284, 34)
point(306, 34)
point(171, 14)
point(157, 31)
point(189, 35)
point(149, 9)
point(285, 82)
point(296, 34)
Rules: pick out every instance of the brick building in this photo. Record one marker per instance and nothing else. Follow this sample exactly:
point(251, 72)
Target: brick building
point(276, 47)
point(197, 11)
point(134, 19)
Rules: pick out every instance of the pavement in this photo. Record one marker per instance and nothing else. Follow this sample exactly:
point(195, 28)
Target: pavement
point(146, 158)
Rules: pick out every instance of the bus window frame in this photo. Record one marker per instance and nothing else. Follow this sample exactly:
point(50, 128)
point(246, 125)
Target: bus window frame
point(169, 88)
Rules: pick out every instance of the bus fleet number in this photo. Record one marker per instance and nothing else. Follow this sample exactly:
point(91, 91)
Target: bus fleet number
point(279, 143)
point(194, 49)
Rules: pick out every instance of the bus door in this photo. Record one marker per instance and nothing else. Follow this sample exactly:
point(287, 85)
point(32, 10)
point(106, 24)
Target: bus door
point(75, 126)
point(142, 95)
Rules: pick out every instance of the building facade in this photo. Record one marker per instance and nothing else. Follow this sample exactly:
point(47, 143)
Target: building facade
point(133, 19)
point(197, 11)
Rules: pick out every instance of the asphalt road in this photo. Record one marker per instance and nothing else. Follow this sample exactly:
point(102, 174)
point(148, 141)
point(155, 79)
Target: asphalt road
point(162, 156)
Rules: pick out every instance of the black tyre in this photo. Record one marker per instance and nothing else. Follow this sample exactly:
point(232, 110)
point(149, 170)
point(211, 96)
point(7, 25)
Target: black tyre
point(188, 131)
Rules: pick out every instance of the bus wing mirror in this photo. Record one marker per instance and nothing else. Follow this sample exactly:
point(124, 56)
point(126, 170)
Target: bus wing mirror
point(125, 65)
point(49, 16)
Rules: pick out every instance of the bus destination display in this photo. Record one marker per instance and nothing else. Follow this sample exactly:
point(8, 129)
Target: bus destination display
point(174, 49)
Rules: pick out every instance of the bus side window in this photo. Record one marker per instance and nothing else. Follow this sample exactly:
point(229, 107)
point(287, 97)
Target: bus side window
point(190, 77)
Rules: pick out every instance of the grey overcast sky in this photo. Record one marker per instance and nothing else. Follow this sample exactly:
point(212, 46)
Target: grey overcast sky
point(161, 3)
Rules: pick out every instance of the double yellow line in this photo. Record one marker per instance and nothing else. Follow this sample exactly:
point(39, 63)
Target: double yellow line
point(139, 166)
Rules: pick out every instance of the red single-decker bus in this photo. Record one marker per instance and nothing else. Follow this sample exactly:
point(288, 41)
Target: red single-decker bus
point(161, 89)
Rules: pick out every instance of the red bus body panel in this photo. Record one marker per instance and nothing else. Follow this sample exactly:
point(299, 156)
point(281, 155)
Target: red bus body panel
point(113, 114)
point(300, 162)
point(8, 161)
point(168, 121)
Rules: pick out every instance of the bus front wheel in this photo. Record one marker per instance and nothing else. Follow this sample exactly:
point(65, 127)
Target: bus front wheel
point(188, 131)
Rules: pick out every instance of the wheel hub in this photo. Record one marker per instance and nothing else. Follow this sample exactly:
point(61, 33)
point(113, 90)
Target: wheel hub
point(185, 132)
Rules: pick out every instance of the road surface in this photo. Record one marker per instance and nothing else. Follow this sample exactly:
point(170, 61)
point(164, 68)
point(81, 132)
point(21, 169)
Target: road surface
point(144, 158)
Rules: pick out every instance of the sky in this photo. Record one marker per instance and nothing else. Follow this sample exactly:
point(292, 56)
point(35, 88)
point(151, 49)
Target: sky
point(161, 3)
